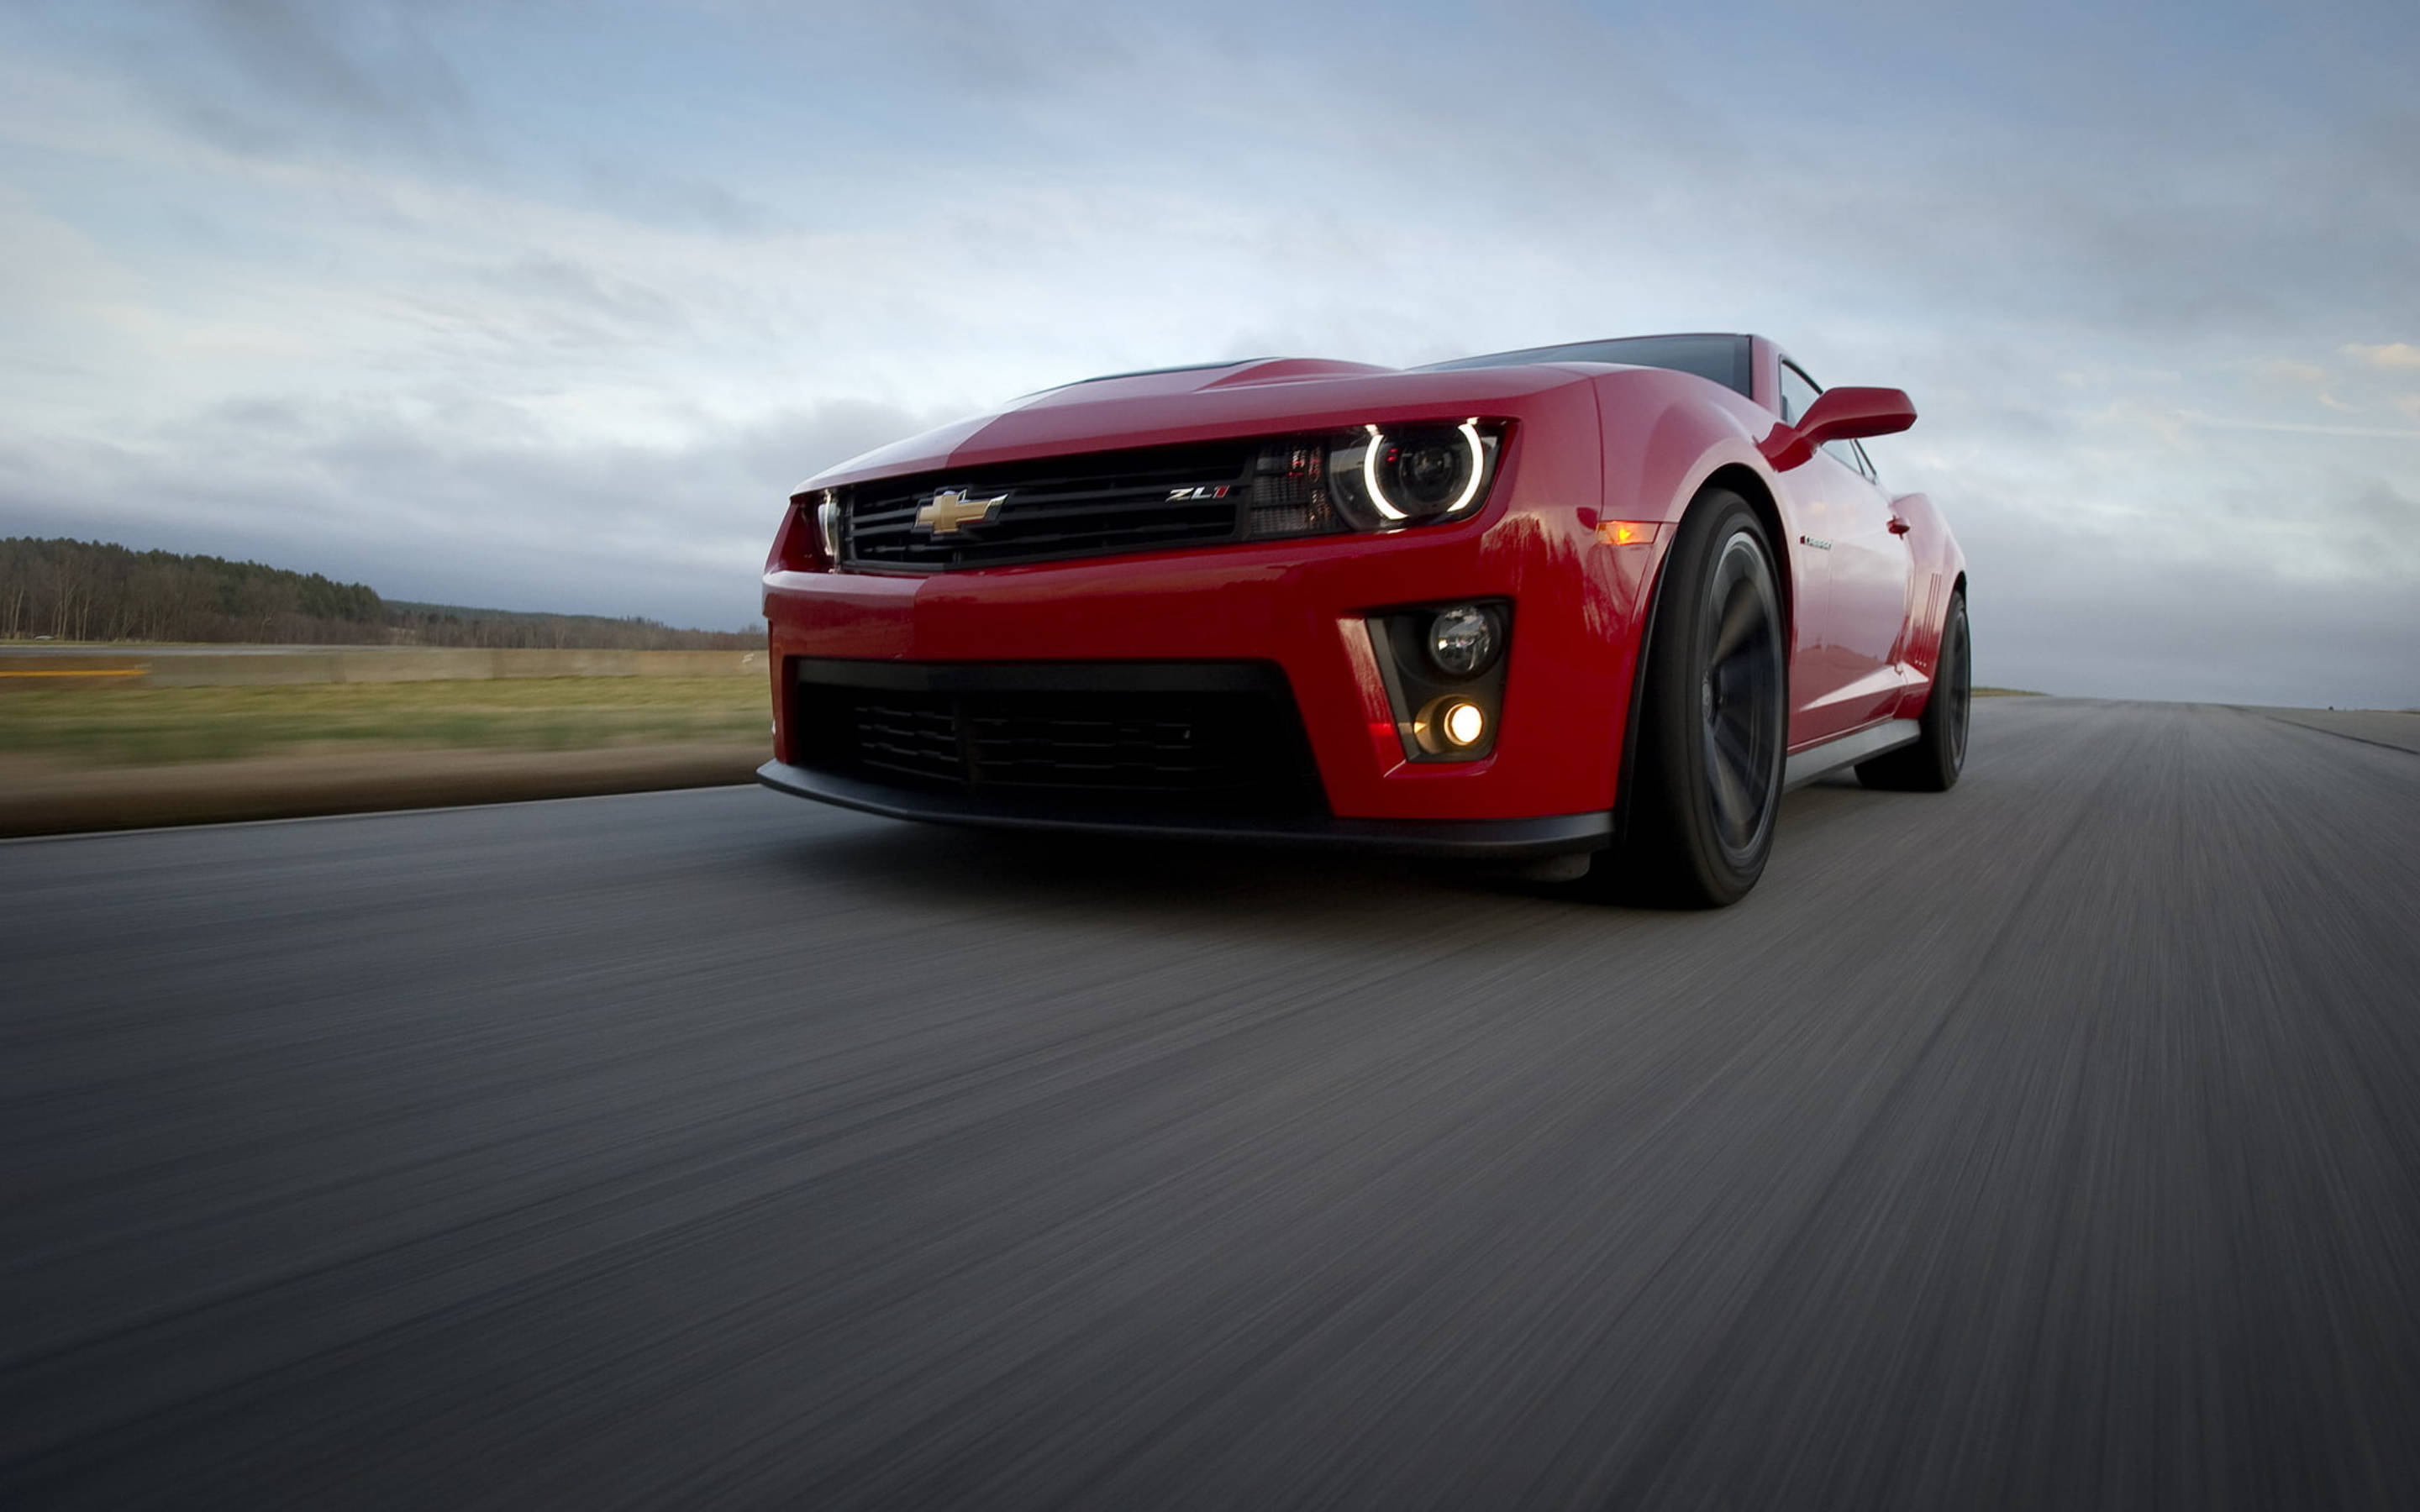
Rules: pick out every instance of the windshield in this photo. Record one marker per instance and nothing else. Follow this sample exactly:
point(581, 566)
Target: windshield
point(1722, 359)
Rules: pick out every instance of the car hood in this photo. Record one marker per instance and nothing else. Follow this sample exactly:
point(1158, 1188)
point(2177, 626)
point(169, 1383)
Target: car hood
point(1176, 406)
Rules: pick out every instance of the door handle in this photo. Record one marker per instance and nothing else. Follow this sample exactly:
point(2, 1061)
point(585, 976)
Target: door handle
point(1899, 526)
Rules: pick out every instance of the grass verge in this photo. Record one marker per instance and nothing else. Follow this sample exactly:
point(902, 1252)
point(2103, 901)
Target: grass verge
point(92, 727)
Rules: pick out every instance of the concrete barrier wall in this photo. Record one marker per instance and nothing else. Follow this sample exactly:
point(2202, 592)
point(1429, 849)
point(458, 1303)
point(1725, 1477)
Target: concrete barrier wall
point(29, 667)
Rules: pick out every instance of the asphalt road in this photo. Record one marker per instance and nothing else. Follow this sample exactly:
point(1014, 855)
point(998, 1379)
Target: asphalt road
point(2054, 1142)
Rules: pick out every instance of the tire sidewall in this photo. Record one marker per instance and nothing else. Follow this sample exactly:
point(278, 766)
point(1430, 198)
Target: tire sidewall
point(1674, 808)
point(1948, 715)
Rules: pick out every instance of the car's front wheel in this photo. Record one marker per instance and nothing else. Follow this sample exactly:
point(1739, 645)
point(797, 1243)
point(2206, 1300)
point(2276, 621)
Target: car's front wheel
point(1706, 770)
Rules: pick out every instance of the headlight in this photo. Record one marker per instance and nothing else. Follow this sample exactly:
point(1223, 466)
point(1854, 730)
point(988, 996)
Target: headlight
point(1417, 473)
point(1401, 476)
point(1377, 478)
point(828, 527)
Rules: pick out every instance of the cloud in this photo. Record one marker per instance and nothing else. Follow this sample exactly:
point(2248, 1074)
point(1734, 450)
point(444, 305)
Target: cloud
point(2264, 596)
point(2395, 354)
point(488, 506)
point(2285, 427)
point(270, 77)
point(2286, 370)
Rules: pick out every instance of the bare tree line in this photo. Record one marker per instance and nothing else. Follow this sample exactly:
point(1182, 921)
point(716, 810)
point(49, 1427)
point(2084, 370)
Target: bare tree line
point(69, 590)
point(441, 625)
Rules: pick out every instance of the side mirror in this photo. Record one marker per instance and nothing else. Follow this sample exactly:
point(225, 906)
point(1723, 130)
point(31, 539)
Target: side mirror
point(1837, 415)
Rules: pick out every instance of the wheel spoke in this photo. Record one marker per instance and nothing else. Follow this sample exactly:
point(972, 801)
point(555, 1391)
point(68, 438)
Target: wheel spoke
point(1734, 809)
point(1731, 742)
point(1741, 619)
point(1740, 754)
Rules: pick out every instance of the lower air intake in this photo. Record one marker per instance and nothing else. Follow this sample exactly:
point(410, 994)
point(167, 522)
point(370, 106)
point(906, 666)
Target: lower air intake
point(1219, 736)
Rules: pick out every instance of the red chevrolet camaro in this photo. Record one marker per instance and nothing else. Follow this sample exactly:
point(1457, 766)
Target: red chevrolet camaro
point(1606, 600)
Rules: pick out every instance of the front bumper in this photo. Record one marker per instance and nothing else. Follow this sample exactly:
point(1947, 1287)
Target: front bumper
point(1303, 610)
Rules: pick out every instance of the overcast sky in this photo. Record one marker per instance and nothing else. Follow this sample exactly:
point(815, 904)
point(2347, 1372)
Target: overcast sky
point(549, 305)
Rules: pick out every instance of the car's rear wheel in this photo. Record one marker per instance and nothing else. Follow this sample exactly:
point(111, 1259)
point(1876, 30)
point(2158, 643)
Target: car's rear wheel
point(1939, 754)
point(1706, 770)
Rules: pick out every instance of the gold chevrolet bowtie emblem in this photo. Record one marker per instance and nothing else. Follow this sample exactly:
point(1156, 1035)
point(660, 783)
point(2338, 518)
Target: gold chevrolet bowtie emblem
point(950, 511)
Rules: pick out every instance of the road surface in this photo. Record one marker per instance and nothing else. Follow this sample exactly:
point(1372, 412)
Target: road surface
point(2053, 1142)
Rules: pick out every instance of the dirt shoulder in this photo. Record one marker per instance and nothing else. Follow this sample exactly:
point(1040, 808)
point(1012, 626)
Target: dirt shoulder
point(39, 797)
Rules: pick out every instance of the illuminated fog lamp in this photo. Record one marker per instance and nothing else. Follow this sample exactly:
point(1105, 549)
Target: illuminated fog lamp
point(1463, 724)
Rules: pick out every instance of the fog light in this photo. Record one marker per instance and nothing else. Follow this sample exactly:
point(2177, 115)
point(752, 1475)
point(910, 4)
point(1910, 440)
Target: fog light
point(1461, 640)
point(1464, 724)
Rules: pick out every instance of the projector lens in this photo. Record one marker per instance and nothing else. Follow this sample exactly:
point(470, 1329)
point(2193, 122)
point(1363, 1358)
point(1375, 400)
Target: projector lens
point(1461, 640)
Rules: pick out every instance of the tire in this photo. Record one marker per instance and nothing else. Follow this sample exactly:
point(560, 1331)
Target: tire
point(1713, 718)
point(1934, 762)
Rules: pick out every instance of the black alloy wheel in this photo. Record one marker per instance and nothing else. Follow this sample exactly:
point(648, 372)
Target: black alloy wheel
point(1741, 697)
point(1933, 763)
point(1705, 779)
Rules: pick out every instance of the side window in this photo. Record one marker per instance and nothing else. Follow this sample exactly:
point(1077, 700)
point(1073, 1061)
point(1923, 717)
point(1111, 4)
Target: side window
point(1865, 463)
point(1798, 391)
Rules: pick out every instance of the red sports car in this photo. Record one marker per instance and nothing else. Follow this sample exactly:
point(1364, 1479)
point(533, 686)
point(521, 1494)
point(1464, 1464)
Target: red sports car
point(1602, 600)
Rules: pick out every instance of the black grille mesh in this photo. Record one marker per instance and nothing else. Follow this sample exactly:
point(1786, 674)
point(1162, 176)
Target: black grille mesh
point(1067, 506)
point(1220, 750)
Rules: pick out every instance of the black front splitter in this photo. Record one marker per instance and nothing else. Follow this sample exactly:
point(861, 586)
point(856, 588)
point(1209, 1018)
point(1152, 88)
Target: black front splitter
point(1479, 840)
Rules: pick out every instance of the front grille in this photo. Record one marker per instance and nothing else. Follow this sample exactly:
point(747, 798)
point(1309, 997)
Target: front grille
point(1065, 506)
point(1232, 741)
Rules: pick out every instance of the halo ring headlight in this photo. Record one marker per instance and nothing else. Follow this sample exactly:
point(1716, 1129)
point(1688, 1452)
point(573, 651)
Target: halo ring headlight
point(1369, 455)
point(1410, 475)
point(1468, 431)
point(828, 527)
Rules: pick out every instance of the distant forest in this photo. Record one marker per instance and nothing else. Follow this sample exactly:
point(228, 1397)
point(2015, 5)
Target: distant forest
point(93, 591)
